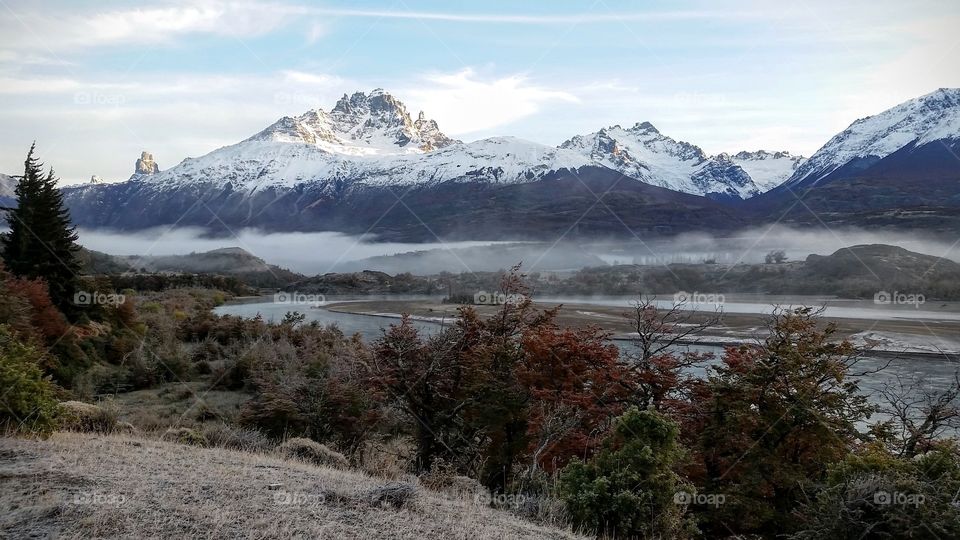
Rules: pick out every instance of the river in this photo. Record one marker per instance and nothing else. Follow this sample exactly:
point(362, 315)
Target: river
point(935, 372)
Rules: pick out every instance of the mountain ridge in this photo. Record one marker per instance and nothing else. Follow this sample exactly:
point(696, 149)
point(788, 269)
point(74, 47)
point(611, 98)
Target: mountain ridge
point(340, 171)
point(371, 138)
point(919, 121)
point(644, 153)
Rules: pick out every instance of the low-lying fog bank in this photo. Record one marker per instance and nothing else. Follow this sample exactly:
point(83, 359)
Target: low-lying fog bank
point(321, 252)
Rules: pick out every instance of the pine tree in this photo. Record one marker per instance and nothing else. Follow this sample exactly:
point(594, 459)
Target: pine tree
point(42, 242)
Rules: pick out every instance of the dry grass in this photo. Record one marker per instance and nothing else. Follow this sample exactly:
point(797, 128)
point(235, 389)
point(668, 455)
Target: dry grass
point(78, 485)
point(178, 404)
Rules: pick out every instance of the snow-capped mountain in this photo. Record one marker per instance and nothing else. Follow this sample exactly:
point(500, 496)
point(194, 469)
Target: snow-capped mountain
point(340, 170)
point(371, 139)
point(896, 170)
point(366, 139)
point(931, 118)
point(7, 186)
point(642, 152)
point(767, 169)
point(360, 125)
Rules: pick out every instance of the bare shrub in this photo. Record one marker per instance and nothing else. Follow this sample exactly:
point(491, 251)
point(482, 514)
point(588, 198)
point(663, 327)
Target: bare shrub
point(313, 452)
point(440, 476)
point(185, 435)
point(466, 488)
point(236, 438)
point(390, 459)
point(125, 427)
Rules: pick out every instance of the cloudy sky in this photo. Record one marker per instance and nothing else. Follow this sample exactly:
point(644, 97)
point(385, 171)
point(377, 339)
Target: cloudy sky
point(97, 82)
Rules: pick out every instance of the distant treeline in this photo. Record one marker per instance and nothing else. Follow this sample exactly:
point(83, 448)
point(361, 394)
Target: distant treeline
point(161, 282)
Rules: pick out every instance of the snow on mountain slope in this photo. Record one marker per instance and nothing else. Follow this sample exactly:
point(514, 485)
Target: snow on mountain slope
point(371, 139)
point(7, 186)
point(929, 118)
point(768, 169)
point(642, 152)
point(256, 163)
point(503, 160)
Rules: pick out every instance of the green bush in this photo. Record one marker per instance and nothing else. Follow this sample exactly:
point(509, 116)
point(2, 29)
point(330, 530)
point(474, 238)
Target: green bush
point(873, 494)
point(629, 489)
point(28, 404)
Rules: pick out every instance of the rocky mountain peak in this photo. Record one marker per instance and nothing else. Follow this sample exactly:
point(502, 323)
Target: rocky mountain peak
point(146, 164)
point(644, 127)
point(763, 154)
point(349, 103)
point(378, 103)
point(361, 123)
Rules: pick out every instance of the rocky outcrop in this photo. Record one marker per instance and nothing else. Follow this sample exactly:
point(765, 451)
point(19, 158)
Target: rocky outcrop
point(361, 124)
point(430, 135)
point(146, 164)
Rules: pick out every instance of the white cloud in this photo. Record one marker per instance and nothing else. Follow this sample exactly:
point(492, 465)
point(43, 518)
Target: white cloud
point(541, 19)
point(52, 30)
point(462, 102)
point(316, 31)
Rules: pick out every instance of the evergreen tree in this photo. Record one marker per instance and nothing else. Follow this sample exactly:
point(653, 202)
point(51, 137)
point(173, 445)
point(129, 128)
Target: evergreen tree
point(629, 489)
point(41, 242)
